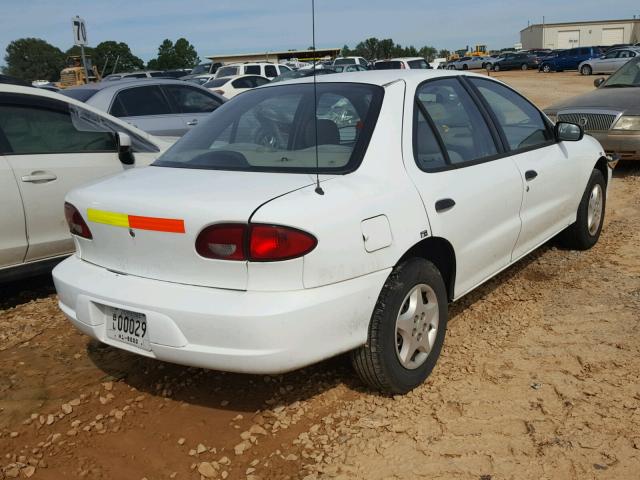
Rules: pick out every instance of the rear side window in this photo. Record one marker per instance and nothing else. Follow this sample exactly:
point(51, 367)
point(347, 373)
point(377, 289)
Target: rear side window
point(458, 122)
point(33, 129)
point(140, 101)
point(259, 81)
point(243, 82)
point(270, 71)
point(191, 100)
point(252, 70)
point(521, 122)
point(388, 65)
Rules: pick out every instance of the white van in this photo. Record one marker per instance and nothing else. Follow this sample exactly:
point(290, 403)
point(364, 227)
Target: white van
point(269, 70)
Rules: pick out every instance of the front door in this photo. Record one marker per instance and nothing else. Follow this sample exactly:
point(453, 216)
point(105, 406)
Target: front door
point(190, 104)
point(472, 199)
point(546, 170)
point(50, 155)
point(13, 239)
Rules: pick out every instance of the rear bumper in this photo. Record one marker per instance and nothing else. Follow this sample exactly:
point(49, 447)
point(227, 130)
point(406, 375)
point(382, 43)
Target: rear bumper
point(625, 145)
point(239, 331)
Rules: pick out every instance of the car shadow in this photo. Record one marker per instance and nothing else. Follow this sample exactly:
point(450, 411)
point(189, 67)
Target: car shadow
point(627, 169)
point(22, 291)
point(215, 389)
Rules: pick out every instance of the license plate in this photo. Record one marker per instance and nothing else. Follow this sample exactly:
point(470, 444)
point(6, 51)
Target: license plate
point(128, 327)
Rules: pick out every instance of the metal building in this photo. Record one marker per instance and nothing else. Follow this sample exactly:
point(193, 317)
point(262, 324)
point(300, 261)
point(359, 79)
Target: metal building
point(580, 34)
point(275, 57)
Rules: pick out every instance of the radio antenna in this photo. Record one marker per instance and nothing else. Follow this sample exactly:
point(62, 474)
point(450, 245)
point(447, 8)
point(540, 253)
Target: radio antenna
point(319, 189)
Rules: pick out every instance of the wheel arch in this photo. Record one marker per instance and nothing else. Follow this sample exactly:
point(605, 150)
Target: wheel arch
point(602, 165)
point(440, 252)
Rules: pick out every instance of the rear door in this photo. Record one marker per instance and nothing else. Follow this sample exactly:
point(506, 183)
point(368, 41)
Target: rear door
point(147, 108)
point(50, 155)
point(13, 240)
point(623, 57)
point(191, 104)
point(548, 202)
point(472, 194)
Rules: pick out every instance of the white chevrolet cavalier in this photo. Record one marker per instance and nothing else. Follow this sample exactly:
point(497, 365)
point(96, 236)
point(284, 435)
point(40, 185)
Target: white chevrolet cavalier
point(225, 254)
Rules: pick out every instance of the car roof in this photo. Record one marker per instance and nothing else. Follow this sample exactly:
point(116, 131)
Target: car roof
point(126, 83)
point(412, 78)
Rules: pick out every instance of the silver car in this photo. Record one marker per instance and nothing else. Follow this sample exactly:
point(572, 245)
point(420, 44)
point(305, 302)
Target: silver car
point(609, 62)
point(470, 63)
point(166, 108)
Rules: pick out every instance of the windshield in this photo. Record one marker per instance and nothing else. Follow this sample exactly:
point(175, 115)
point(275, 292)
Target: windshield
point(344, 61)
point(202, 68)
point(227, 72)
point(626, 76)
point(273, 129)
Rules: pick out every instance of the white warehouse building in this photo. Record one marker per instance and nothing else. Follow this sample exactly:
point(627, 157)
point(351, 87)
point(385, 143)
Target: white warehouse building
point(580, 34)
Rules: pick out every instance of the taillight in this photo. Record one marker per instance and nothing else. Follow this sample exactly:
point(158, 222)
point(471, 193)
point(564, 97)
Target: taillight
point(77, 225)
point(255, 242)
point(271, 242)
point(223, 241)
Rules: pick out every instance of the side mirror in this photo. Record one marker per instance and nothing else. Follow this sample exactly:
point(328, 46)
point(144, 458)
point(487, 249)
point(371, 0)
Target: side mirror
point(568, 132)
point(125, 153)
point(598, 81)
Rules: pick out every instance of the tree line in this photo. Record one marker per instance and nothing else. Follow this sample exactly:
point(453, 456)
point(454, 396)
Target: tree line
point(35, 59)
point(374, 48)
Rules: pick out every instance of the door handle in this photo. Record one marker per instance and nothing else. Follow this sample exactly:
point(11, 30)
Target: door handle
point(530, 175)
point(193, 122)
point(39, 177)
point(444, 204)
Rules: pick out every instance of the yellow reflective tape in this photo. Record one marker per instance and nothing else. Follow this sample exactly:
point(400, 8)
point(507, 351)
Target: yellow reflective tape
point(108, 218)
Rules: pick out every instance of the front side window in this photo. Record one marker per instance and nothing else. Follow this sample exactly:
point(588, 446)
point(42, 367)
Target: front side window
point(521, 122)
point(140, 101)
point(462, 128)
point(275, 129)
point(47, 129)
point(191, 100)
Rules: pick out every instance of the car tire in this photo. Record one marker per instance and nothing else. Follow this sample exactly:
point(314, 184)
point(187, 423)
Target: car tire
point(496, 68)
point(524, 67)
point(546, 68)
point(413, 295)
point(465, 67)
point(585, 232)
point(586, 70)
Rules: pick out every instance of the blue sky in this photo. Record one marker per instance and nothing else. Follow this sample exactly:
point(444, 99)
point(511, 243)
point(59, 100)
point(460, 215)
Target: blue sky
point(221, 26)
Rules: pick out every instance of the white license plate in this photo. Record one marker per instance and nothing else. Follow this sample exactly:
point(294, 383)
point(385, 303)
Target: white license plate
point(128, 327)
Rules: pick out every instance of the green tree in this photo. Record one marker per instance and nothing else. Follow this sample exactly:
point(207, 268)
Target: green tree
point(182, 54)
point(34, 59)
point(106, 53)
point(444, 53)
point(346, 51)
point(428, 53)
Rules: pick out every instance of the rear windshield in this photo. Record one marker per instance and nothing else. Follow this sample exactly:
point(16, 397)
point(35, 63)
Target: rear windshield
point(345, 61)
point(227, 72)
point(273, 129)
point(391, 65)
point(81, 94)
point(216, 82)
point(419, 64)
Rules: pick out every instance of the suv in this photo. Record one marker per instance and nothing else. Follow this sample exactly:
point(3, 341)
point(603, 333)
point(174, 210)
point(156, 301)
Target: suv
point(351, 61)
point(264, 69)
point(402, 63)
point(569, 59)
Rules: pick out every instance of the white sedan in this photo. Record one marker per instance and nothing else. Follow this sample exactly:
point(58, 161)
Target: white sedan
point(229, 87)
point(50, 144)
point(268, 239)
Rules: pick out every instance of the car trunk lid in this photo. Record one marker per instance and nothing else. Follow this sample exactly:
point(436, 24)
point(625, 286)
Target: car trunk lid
point(145, 221)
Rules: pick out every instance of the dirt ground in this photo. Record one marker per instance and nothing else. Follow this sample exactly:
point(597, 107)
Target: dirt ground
point(539, 379)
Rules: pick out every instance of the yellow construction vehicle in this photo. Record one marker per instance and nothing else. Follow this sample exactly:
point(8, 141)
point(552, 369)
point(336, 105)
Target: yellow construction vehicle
point(479, 51)
point(74, 73)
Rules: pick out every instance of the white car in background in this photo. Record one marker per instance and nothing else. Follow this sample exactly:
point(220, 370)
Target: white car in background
point(406, 63)
point(278, 233)
point(229, 87)
point(199, 79)
point(351, 61)
point(470, 63)
point(50, 144)
point(269, 70)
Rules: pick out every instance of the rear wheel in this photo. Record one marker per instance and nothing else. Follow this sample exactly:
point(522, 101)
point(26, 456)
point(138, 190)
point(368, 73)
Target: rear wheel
point(496, 68)
point(465, 67)
point(524, 66)
point(585, 232)
point(546, 68)
point(586, 70)
point(407, 329)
